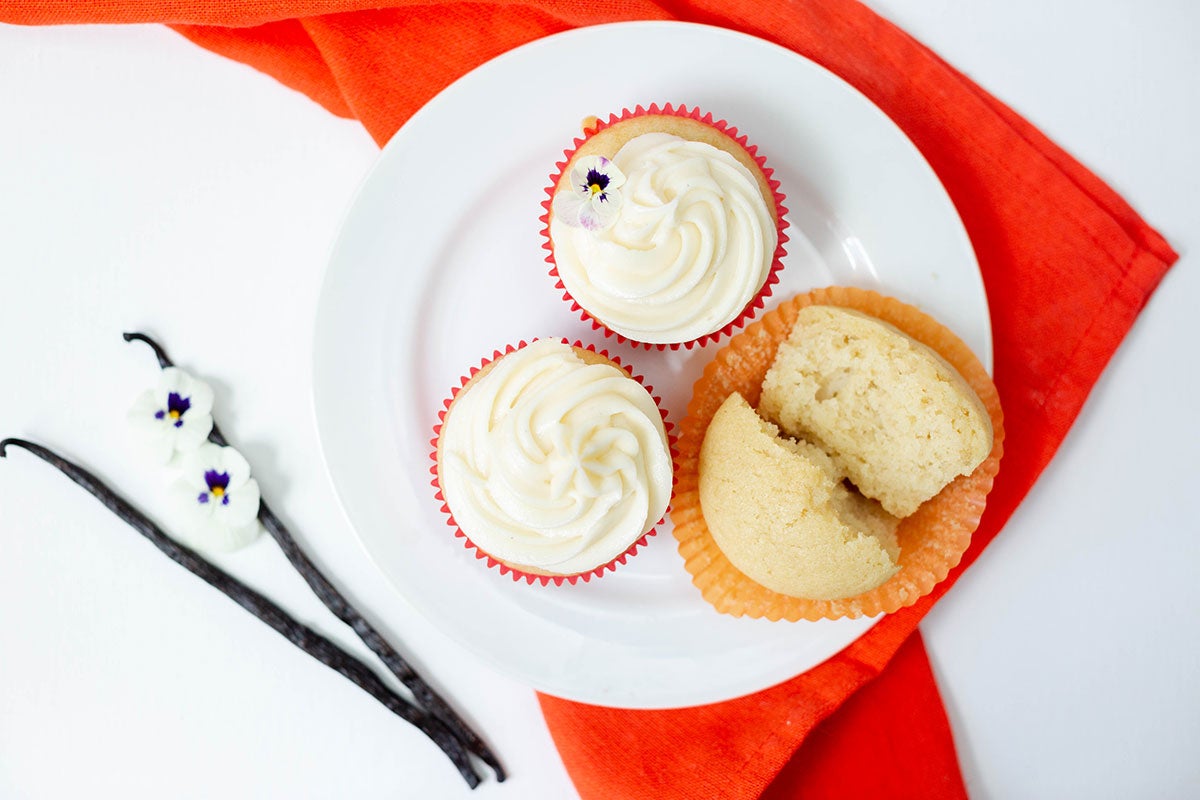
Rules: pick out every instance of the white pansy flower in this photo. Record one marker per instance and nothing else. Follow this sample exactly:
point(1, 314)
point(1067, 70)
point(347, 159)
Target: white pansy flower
point(217, 499)
point(175, 416)
point(591, 200)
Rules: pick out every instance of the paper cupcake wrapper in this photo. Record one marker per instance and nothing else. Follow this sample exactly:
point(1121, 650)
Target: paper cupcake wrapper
point(527, 574)
point(932, 540)
point(721, 125)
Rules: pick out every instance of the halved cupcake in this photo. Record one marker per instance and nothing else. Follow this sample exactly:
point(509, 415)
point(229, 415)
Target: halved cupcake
point(553, 462)
point(872, 395)
point(665, 226)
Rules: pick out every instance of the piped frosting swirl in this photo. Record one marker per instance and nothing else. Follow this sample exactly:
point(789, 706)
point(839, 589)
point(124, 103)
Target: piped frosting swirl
point(551, 462)
point(692, 243)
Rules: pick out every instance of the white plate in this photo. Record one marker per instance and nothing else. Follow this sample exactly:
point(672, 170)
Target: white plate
point(439, 262)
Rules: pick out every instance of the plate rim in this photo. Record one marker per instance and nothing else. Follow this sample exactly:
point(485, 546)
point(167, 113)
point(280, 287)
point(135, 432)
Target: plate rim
point(338, 244)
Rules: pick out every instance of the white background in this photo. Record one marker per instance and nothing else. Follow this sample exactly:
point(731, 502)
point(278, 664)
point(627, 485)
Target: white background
point(146, 183)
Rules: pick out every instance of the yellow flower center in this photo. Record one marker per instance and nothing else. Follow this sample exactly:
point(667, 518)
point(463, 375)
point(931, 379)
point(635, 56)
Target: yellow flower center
point(174, 414)
point(218, 491)
point(595, 189)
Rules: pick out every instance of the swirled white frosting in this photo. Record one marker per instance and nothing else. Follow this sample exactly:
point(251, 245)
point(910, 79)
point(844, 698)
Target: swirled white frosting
point(547, 461)
point(693, 243)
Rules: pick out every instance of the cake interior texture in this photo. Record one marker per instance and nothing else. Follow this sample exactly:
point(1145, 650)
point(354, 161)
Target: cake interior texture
point(780, 511)
point(891, 413)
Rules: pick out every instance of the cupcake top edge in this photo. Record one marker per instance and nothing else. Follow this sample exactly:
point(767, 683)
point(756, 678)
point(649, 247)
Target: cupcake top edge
point(663, 228)
point(553, 458)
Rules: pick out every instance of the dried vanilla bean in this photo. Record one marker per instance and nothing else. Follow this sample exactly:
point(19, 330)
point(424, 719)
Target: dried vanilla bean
point(308, 640)
point(344, 611)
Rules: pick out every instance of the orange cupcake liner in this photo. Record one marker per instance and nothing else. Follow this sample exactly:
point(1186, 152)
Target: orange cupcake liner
point(508, 569)
point(932, 540)
point(759, 300)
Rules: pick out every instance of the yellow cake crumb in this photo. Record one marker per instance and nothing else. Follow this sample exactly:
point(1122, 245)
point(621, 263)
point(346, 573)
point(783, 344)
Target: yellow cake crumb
point(781, 514)
point(892, 414)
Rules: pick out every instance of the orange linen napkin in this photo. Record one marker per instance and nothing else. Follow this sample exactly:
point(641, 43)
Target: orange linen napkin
point(1066, 262)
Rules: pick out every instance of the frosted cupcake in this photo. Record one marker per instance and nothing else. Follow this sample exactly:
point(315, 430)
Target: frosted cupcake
point(664, 227)
point(553, 462)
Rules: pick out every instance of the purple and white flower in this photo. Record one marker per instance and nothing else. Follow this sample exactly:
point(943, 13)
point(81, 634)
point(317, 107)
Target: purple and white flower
point(217, 499)
point(175, 416)
point(591, 200)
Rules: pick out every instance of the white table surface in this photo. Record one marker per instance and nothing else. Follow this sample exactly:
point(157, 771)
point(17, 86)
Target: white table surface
point(146, 183)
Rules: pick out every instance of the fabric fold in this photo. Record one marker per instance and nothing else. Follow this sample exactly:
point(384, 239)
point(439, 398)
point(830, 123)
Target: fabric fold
point(284, 50)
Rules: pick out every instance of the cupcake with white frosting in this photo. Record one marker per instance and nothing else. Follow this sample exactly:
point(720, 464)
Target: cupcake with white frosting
point(553, 462)
point(664, 227)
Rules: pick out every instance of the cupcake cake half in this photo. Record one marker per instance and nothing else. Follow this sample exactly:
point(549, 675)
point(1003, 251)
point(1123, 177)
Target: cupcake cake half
point(553, 462)
point(835, 459)
point(664, 226)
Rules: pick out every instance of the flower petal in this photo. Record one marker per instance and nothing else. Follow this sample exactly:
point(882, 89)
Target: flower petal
point(141, 415)
point(194, 464)
point(239, 537)
point(602, 211)
point(240, 505)
point(616, 178)
point(579, 172)
point(234, 463)
point(185, 502)
point(201, 395)
point(215, 537)
point(156, 443)
point(145, 425)
point(567, 206)
point(193, 433)
point(170, 380)
point(154, 436)
point(600, 164)
point(198, 393)
point(145, 406)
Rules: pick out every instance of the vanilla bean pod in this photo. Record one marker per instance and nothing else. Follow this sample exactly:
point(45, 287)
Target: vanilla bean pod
point(344, 611)
point(299, 634)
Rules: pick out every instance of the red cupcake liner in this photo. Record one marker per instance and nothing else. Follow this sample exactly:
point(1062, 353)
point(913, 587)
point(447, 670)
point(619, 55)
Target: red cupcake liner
point(508, 569)
point(759, 300)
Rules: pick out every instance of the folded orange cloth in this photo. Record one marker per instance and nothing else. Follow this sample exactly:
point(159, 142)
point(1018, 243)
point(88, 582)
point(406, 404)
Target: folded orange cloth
point(1067, 265)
